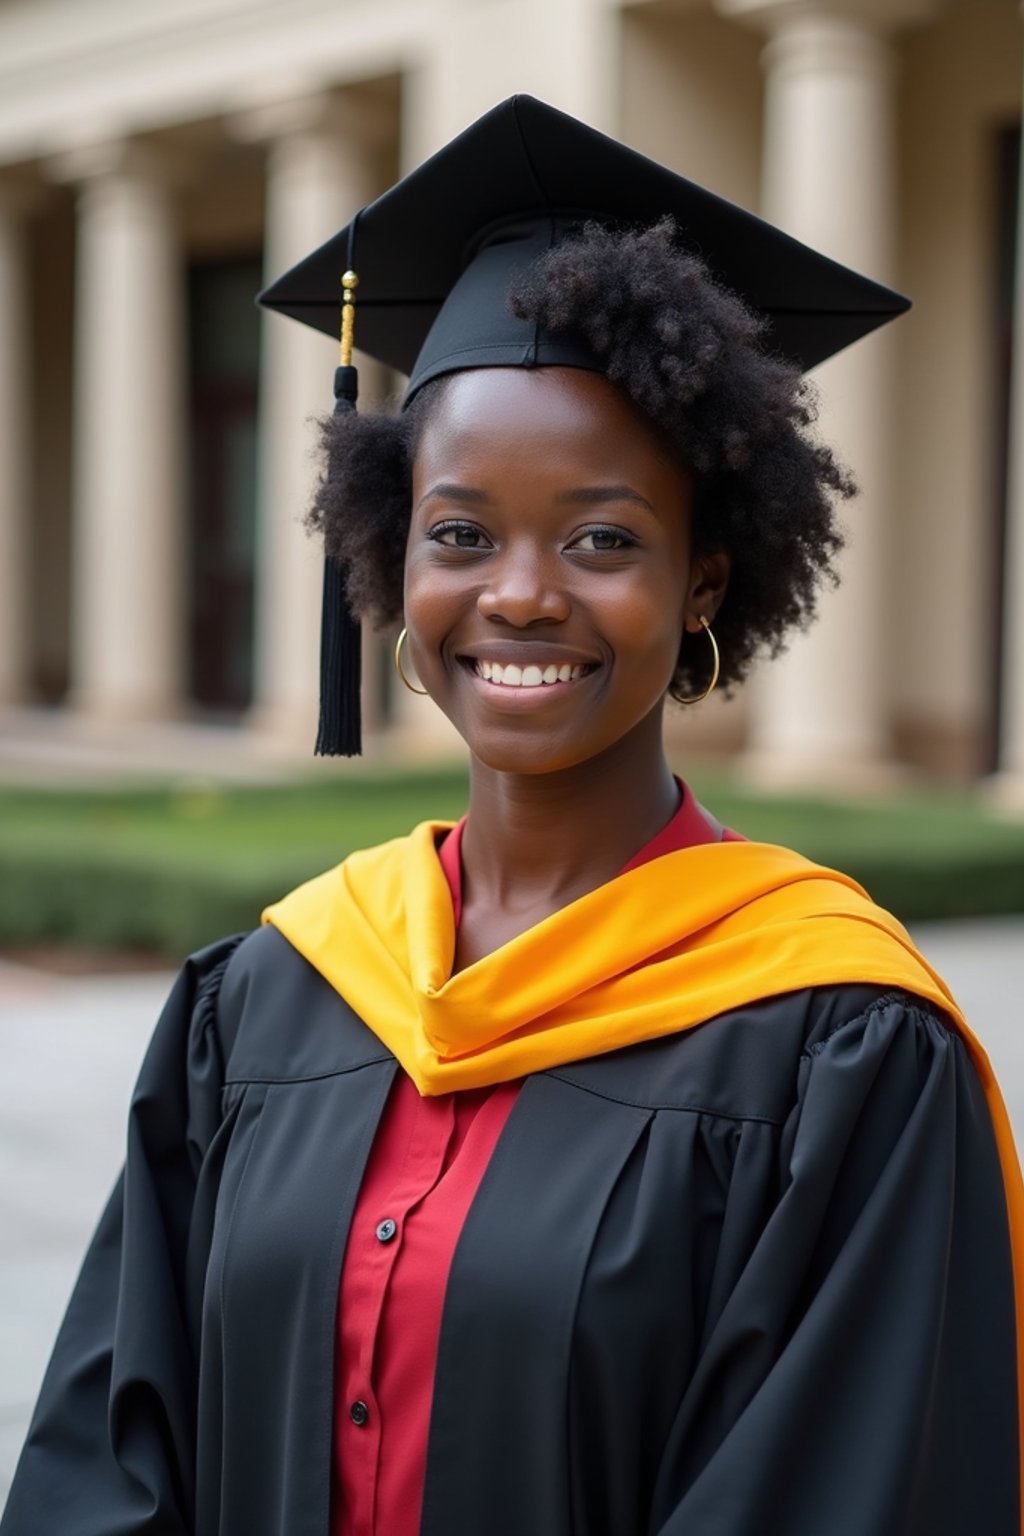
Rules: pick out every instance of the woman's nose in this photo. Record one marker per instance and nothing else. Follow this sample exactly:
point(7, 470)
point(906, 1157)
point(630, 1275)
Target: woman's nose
point(524, 589)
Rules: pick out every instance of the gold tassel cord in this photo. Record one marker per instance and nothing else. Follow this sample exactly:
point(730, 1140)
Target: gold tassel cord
point(349, 283)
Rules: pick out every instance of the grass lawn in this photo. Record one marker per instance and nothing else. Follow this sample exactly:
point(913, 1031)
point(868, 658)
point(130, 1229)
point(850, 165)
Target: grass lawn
point(167, 869)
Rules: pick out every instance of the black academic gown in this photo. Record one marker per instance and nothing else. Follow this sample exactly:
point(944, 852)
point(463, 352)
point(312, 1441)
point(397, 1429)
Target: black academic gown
point(754, 1278)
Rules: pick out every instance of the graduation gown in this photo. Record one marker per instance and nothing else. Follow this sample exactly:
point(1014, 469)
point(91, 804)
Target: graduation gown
point(752, 1277)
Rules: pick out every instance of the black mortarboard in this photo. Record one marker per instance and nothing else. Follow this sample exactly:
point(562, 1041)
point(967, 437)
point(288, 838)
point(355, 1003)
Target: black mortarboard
point(436, 255)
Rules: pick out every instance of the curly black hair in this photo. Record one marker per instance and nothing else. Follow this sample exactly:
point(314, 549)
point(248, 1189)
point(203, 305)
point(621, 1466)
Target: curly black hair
point(689, 355)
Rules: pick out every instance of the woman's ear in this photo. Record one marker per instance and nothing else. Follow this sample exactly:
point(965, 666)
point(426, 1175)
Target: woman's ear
point(709, 578)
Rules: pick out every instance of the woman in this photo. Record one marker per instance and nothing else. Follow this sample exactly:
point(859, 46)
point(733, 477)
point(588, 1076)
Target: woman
point(581, 1169)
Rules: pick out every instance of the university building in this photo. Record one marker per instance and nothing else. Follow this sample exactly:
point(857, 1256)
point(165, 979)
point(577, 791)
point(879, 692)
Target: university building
point(159, 161)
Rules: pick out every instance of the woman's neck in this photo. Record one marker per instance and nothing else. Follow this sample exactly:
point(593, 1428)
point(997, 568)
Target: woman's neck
point(534, 842)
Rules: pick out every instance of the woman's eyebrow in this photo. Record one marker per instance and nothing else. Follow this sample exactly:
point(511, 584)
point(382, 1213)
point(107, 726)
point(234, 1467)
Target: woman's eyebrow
point(581, 495)
point(468, 495)
point(596, 494)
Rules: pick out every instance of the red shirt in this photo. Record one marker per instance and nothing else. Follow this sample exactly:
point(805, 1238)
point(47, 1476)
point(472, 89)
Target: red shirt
point(425, 1167)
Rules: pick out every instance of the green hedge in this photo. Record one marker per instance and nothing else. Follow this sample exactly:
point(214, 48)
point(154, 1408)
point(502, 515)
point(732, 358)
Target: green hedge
point(104, 904)
point(168, 870)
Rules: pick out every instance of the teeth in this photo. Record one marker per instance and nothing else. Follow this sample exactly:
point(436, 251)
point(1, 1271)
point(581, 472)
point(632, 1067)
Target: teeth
point(528, 677)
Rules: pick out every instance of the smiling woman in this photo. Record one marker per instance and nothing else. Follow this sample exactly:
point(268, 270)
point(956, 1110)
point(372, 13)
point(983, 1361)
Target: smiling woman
point(706, 396)
point(579, 1169)
point(507, 568)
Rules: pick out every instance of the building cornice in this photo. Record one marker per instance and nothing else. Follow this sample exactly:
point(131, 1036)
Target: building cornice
point(73, 74)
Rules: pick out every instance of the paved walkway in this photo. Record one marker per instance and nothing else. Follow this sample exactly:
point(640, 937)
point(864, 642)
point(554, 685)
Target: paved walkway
point(71, 1048)
point(56, 748)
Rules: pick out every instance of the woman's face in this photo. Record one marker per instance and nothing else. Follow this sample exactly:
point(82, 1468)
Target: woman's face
point(549, 572)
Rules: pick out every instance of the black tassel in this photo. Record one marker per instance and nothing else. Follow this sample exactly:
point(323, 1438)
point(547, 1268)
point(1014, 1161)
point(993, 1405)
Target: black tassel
point(340, 730)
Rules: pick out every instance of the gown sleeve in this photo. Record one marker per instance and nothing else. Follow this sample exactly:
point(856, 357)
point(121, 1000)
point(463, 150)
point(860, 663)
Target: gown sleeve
point(111, 1446)
point(859, 1375)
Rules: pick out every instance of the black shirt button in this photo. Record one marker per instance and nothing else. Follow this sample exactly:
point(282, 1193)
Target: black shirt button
point(386, 1230)
point(359, 1413)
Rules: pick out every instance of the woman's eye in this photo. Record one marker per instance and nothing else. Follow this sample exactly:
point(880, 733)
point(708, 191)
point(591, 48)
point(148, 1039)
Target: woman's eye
point(459, 536)
point(598, 540)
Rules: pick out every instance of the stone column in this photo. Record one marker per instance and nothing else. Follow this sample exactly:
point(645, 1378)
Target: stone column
point(1011, 747)
point(16, 203)
point(129, 517)
point(828, 167)
point(475, 55)
point(321, 168)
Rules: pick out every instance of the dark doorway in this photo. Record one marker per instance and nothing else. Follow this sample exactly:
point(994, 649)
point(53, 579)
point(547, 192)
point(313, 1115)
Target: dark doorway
point(224, 369)
point(1008, 173)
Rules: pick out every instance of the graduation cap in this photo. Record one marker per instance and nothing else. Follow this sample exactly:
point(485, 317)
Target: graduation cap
point(437, 254)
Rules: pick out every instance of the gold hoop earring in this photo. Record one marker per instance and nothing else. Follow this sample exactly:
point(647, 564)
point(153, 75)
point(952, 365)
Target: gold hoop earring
point(698, 698)
point(398, 663)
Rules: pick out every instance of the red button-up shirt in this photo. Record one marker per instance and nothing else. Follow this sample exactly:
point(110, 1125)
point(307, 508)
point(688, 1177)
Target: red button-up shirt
point(426, 1164)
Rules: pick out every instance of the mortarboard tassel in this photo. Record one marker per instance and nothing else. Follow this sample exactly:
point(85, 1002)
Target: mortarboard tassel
point(340, 730)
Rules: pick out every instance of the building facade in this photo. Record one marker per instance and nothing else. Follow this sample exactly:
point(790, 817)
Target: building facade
point(158, 162)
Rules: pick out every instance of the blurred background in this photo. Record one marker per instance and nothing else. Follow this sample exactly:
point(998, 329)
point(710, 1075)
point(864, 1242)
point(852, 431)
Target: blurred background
point(159, 601)
point(159, 162)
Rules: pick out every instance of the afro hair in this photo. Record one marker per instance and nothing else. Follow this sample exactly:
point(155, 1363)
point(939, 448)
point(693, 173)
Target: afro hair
point(692, 358)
